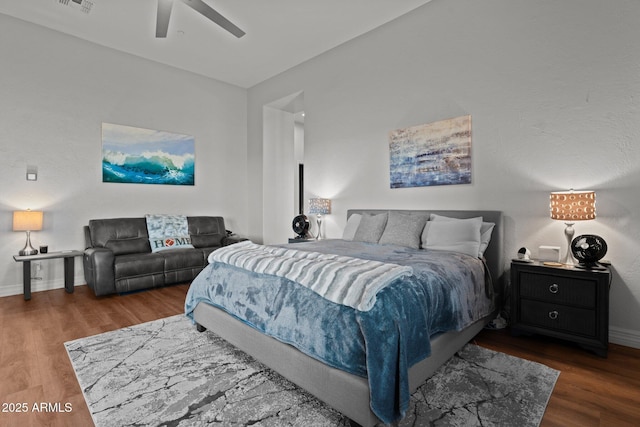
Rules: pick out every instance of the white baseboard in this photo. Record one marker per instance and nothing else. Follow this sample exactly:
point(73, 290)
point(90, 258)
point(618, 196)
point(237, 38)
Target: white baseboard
point(626, 337)
point(38, 285)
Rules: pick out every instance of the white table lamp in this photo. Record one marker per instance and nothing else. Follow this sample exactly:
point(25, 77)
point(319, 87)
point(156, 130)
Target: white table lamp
point(27, 221)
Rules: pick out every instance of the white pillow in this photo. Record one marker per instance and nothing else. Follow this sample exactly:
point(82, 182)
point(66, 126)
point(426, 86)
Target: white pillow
point(485, 237)
point(458, 236)
point(352, 225)
point(485, 231)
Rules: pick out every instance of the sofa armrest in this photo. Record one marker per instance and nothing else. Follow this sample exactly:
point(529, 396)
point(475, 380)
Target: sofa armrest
point(88, 243)
point(231, 239)
point(99, 271)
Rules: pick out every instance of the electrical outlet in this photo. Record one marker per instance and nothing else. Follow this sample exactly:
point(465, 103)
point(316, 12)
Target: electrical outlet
point(37, 273)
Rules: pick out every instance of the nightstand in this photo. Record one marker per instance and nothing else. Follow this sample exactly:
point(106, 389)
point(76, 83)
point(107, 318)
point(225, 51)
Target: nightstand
point(562, 302)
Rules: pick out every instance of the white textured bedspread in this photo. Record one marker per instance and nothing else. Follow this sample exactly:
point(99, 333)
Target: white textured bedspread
point(353, 282)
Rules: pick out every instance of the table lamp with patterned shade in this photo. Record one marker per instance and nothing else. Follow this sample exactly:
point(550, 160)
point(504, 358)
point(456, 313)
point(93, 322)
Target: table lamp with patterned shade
point(571, 206)
point(27, 221)
point(319, 207)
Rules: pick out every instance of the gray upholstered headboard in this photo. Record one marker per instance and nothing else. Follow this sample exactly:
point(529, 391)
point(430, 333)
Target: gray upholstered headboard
point(493, 253)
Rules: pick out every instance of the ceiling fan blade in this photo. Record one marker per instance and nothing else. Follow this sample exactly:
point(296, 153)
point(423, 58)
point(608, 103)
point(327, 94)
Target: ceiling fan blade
point(164, 13)
point(203, 8)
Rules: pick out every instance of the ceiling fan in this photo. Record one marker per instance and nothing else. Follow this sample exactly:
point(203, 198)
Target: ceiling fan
point(164, 13)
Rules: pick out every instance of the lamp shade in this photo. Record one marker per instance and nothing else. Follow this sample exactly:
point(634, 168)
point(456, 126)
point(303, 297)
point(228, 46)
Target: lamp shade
point(27, 220)
point(320, 206)
point(573, 205)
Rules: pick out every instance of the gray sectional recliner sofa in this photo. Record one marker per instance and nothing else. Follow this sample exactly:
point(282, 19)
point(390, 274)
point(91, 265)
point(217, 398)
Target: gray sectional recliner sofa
point(118, 256)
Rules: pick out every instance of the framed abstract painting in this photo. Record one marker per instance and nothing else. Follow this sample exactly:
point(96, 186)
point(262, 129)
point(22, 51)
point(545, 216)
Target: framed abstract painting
point(146, 156)
point(438, 153)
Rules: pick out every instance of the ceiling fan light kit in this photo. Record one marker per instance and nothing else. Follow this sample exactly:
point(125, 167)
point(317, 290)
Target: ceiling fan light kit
point(164, 14)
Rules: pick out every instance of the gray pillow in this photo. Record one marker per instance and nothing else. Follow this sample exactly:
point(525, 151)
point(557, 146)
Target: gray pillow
point(352, 226)
point(371, 228)
point(403, 229)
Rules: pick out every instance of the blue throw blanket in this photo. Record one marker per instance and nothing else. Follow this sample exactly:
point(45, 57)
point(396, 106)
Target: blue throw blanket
point(446, 292)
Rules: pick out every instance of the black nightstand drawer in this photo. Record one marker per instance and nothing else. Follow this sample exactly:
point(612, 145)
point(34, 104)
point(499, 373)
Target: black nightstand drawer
point(558, 317)
point(558, 289)
point(562, 302)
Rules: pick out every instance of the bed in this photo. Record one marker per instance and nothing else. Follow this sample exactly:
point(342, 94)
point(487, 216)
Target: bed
point(363, 362)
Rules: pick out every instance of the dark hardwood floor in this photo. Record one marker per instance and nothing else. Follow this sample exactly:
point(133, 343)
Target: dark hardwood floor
point(35, 368)
point(591, 390)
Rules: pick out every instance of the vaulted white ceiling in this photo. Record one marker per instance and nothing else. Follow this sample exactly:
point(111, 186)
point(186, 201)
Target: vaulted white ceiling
point(279, 33)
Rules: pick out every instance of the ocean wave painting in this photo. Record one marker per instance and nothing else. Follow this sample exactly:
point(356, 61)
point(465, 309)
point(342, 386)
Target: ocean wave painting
point(433, 154)
point(145, 156)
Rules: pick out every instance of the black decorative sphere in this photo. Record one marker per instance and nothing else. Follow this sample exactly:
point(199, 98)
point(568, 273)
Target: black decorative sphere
point(301, 226)
point(588, 249)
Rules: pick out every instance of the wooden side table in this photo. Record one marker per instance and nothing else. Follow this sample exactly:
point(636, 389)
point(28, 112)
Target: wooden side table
point(68, 268)
point(562, 302)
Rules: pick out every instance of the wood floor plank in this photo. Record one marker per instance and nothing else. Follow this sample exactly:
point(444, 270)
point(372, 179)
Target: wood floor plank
point(35, 368)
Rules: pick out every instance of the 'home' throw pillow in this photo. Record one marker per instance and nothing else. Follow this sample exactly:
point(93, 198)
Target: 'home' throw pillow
point(168, 232)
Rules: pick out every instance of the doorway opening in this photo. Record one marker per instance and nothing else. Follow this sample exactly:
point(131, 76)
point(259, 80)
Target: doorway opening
point(283, 153)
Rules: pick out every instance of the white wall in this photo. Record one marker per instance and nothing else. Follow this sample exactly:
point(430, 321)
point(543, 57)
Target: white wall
point(554, 92)
point(55, 92)
point(279, 172)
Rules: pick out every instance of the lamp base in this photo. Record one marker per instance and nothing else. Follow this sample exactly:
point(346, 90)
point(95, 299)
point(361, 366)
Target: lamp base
point(28, 249)
point(319, 222)
point(568, 232)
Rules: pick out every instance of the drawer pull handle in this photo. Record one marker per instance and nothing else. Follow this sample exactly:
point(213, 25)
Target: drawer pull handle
point(553, 315)
point(554, 288)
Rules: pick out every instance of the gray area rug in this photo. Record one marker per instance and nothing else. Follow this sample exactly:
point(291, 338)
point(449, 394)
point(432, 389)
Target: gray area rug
point(165, 373)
